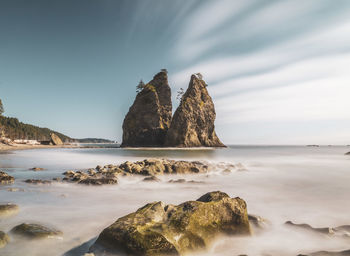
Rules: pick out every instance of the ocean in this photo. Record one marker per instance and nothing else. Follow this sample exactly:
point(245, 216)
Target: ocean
point(281, 183)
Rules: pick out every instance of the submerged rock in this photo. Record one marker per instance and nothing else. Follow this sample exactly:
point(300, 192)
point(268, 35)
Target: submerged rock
point(328, 253)
point(151, 178)
point(6, 179)
point(99, 181)
point(55, 140)
point(325, 231)
point(38, 181)
point(36, 169)
point(9, 209)
point(4, 239)
point(35, 231)
point(148, 119)
point(193, 122)
point(159, 229)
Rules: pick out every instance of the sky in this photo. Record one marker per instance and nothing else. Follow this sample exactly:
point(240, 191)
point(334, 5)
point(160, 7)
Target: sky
point(278, 71)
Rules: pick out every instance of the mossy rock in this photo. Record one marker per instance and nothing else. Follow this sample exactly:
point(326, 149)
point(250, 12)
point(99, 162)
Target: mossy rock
point(7, 210)
point(35, 231)
point(4, 239)
point(159, 229)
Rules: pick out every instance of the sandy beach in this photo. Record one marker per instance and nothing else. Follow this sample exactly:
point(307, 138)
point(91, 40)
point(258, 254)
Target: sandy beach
point(5, 147)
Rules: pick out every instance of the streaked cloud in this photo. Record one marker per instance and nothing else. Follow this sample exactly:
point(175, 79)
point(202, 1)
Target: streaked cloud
point(271, 61)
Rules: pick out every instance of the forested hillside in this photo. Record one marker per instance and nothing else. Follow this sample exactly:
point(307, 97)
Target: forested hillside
point(14, 129)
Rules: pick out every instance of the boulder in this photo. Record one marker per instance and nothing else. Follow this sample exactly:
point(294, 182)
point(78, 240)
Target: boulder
point(193, 122)
point(9, 209)
point(148, 119)
point(159, 229)
point(55, 140)
point(4, 239)
point(6, 179)
point(35, 231)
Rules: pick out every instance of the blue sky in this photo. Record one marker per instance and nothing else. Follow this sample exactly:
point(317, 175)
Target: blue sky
point(278, 71)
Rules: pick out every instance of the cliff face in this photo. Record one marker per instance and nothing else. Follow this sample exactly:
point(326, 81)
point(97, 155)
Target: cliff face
point(193, 121)
point(148, 119)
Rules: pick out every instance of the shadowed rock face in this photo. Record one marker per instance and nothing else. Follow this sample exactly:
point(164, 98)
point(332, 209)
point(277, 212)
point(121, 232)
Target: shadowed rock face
point(193, 121)
point(148, 119)
point(159, 229)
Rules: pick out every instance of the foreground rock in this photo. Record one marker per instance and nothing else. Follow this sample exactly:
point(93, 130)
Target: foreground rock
point(4, 239)
point(35, 231)
point(55, 140)
point(148, 167)
point(6, 179)
point(159, 229)
point(193, 122)
point(347, 153)
point(7, 210)
point(148, 119)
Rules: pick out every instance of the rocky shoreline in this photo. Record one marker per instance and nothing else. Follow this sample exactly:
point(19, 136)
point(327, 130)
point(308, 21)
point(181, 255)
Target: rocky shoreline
point(158, 228)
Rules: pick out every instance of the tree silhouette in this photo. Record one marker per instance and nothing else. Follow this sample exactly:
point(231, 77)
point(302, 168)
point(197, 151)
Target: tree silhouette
point(1, 108)
point(180, 94)
point(140, 86)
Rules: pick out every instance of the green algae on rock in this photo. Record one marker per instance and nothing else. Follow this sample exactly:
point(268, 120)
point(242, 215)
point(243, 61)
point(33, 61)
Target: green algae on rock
point(159, 229)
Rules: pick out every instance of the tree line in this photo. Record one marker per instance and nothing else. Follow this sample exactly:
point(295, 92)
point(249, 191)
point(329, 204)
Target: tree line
point(14, 129)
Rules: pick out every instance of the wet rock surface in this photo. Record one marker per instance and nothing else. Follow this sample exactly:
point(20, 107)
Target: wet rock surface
point(4, 239)
point(7, 210)
point(35, 231)
point(159, 229)
point(193, 121)
point(149, 167)
point(148, 119)
point(6, 179)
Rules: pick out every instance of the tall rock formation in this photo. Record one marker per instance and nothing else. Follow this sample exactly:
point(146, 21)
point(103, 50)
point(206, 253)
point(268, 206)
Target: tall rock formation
point(193, 121)
point(148, 120)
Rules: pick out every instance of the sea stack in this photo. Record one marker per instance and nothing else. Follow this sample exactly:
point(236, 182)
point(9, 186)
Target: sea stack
point(148, 120)
point(193, 122)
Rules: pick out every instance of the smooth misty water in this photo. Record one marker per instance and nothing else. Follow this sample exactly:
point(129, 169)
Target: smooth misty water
point(302, 184)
